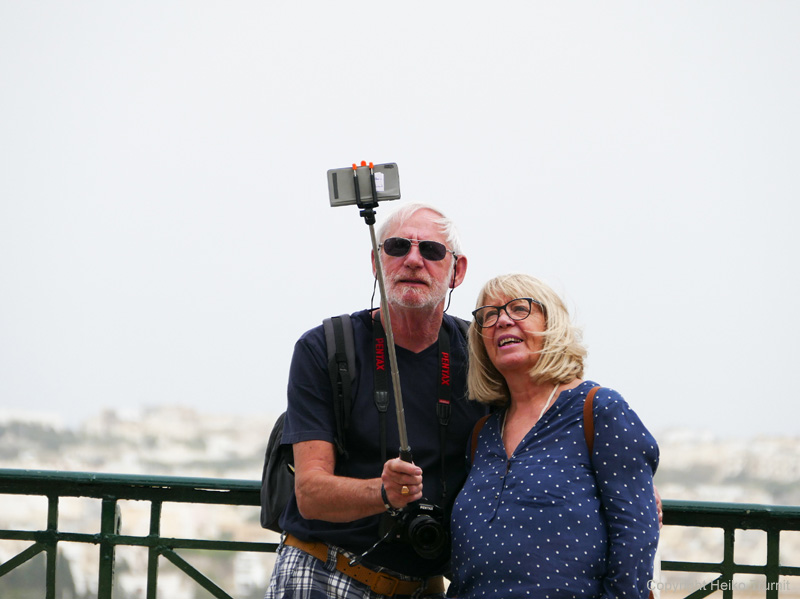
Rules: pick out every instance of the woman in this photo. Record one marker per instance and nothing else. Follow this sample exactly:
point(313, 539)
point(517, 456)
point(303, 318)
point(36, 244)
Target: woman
point(538, 516)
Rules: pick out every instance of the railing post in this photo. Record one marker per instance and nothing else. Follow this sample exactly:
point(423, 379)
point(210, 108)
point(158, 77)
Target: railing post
point(773, 562)
point(153, 552)
point(109, 526)
point(729, 535)
point(52, 547)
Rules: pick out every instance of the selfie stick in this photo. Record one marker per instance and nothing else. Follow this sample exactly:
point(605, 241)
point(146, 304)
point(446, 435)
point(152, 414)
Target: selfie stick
point(368, 213)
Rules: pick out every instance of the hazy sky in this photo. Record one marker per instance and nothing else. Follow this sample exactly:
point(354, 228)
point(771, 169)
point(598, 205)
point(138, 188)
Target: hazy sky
point(165, 232)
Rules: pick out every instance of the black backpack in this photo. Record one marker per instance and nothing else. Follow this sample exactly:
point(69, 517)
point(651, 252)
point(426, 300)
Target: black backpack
point(277, 478)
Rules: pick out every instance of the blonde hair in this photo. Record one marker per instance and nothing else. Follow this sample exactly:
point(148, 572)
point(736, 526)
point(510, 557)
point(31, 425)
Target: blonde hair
point(561, 358)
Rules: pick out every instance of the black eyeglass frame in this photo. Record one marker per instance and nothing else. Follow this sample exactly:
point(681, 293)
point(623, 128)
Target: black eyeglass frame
point(424, 246)
point(504, 308)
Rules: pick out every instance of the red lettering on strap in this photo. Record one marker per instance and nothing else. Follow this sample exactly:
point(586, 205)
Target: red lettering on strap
point(380, 353)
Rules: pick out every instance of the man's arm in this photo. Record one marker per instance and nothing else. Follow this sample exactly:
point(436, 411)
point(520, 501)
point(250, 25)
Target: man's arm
point(321, 495)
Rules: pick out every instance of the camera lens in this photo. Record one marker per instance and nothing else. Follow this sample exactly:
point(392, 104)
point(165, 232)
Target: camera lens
point(427, 536)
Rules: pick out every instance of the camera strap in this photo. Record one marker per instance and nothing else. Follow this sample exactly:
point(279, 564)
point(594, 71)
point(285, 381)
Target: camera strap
point(443, 405)
point(381, 388)
point(381, 392)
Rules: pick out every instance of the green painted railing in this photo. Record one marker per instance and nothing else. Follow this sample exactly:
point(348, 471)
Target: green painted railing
point(110, 489)
point(731, 517)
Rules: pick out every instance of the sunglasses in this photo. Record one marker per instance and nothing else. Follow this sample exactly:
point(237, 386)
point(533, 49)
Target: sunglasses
point(400, 246)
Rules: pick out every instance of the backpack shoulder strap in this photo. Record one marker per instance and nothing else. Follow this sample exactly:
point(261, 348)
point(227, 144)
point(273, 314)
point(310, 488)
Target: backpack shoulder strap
point(474, 439)
point(339, 340)
point(341, 370)
point(588, 419)
point(463, 325)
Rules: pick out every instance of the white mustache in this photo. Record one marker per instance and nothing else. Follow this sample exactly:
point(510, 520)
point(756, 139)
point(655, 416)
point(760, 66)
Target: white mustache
point(415, 279)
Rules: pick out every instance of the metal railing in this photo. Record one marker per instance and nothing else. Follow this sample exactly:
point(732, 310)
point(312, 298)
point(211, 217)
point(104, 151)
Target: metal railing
point(730, 517)
point(110, 489)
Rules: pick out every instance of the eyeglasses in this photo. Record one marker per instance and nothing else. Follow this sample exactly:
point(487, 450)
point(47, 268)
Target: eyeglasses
point(400, 246)
point(517, 309)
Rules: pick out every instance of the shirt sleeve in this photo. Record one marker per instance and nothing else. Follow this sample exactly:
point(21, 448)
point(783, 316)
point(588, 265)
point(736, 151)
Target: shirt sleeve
point(309, 415)
point(625, 459)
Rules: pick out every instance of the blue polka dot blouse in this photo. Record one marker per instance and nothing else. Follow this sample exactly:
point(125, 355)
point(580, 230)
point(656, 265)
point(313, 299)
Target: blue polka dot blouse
point(551, 522)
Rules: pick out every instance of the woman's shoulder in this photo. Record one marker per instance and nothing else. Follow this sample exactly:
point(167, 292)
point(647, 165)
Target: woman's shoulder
point(605, 397)
point(613, 415)
point(607, 403)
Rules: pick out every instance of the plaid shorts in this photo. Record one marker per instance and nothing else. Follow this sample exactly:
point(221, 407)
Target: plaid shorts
point(298, 575)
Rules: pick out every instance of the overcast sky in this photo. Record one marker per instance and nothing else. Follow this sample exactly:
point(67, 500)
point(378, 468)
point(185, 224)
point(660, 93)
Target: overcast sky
point(165, 231)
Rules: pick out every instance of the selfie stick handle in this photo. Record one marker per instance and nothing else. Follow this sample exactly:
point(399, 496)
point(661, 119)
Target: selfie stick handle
point(368, 214)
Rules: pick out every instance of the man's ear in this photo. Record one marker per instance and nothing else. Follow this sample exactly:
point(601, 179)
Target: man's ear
point(461, 272)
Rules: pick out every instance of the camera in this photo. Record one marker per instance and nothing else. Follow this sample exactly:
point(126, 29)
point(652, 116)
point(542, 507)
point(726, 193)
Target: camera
point(420, 524)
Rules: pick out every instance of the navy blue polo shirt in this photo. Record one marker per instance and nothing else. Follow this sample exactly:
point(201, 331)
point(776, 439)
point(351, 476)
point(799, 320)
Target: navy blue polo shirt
point(310, 417)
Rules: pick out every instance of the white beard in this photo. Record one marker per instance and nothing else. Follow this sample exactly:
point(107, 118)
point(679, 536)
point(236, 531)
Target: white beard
point(426, 297)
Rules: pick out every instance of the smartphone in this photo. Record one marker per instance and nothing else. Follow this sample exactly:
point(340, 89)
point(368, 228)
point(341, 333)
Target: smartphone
point(342, 189)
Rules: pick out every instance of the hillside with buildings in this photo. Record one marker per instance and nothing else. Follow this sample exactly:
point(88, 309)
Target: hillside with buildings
point(181, 442)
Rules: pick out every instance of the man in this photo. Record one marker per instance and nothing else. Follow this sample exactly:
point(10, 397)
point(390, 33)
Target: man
point(344, 504)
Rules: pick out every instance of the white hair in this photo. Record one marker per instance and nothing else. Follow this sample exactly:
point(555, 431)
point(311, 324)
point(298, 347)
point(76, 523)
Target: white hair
point(400, 215)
